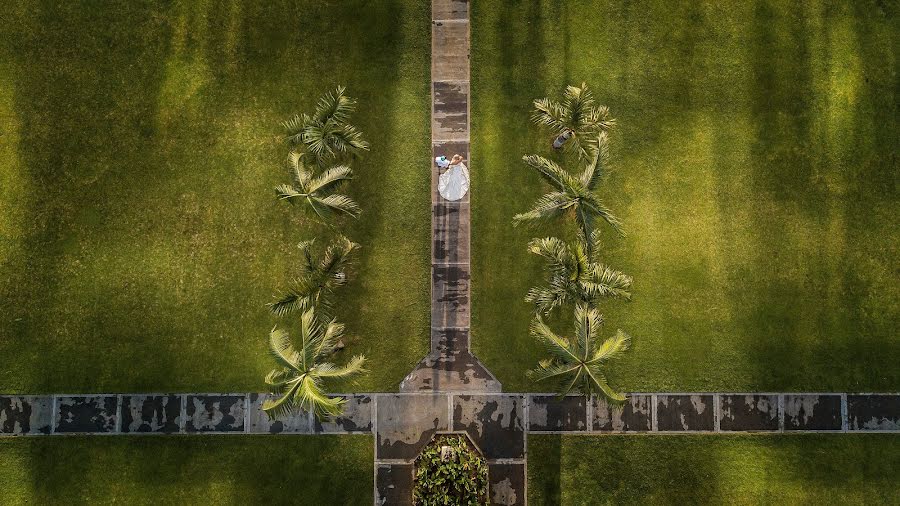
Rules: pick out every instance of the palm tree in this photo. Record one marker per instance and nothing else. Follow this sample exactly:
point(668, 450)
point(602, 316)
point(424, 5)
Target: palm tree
point(300, 379)
point(575, 275)
point(318, 280)
point(573, 119)
point(327, 134)
point(577, 364)
point(572, 195)
point(317, 191)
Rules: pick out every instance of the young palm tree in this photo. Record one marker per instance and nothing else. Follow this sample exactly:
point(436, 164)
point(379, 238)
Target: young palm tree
point(327, 134)
point(302, 373)
point(318, 279)
point(573, 119)
point(572, 195)
point(317, 191)
point(577, 364)
point(574, 275)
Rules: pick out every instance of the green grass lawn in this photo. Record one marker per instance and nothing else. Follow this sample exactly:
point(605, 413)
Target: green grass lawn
point(754, 469)
point(755, 167)
point(140, 236)
point(311, 470)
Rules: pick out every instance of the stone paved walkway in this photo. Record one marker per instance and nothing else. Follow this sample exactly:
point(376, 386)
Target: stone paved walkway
point(450, 366)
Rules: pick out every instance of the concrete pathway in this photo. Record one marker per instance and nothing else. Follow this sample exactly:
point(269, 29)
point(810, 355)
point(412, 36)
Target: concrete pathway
point(450, 366)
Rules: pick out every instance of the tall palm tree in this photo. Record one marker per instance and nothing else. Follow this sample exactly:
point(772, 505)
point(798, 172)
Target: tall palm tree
point(318, 191)
point(572, 195)
point(327, 133)
point(575, 275)
point(576, 365)
point(577, 117)
point(317, 281)
point(302, 373)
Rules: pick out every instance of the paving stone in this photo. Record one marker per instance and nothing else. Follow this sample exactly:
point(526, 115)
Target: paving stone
point(407, 422)
point(151, 413)
point(86, 414)
point(812, 412)
point(450, 233)
point(507, 484)
point(496, 423)
point(260, 423)
point(357, 417)
point(448, 149)
point(215, 413)
point(550, 413)
point(685, 412)
point(449, 9)
point(394, 484)
point(450, 296)
point(449, 51)
point(873, 412)
point(450, 372)
point(25, 414)
point(445, 341)
point(635, 415)
point(450, 116)
point(748, 412)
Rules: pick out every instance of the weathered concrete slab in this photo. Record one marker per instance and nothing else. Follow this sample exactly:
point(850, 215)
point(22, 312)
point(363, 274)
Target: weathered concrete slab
point(394, 484)
point(357, 417)
point(450, 296)
point(260, 423)
point(507, 484)
point(635, 415)
point(449, 51)
point(407, 422)
point(450, 117)
point(450, 233)
point(685, 412)
point(25, 414)
point(151, 413)
point(496, 423)
point(86, 414)
point(873, 412)
point(812, 412)
point(215, 413)
point(748, 412)
point(447, 341)
point(550, 413)
point(450, 372)
point(449, 9)
point(448, 149)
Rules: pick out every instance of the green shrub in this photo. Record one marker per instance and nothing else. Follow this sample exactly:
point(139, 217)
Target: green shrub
point(461, 478)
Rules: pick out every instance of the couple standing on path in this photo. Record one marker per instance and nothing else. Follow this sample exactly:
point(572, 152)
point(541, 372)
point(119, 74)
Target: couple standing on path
point(453, 184)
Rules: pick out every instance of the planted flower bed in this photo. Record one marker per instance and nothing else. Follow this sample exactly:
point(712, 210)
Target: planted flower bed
point(450, 470)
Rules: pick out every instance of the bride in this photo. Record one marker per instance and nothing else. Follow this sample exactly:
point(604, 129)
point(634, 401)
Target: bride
point(454, 183)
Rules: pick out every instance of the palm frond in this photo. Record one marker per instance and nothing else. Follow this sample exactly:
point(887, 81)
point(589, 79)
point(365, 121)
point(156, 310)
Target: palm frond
point(337, 203)
point(549, 170)
point(284, 405)
point(548, 206)
point(334, 107)
point(351, 368)
point(282, 350)
point(329, 179)
point(590, 201)
point(596, 168)
point(287, 192)
point(612, 347)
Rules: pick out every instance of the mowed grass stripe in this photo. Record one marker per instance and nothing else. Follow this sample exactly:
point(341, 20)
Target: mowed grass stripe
point(141, 237)
point(755, 170)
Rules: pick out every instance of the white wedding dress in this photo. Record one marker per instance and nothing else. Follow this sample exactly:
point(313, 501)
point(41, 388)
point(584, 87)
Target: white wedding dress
point(454, 182)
